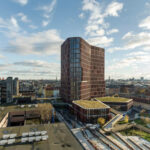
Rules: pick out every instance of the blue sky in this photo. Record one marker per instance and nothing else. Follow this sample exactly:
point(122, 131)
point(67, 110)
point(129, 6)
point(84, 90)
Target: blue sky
point(31, 32)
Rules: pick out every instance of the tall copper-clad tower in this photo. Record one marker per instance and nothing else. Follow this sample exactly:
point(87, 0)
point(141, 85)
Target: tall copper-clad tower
point(82, 70)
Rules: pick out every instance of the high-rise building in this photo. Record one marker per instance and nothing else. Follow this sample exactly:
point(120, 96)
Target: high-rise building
point(16, 86)
point(3, 96)
point(82, 70)
point(8, 88)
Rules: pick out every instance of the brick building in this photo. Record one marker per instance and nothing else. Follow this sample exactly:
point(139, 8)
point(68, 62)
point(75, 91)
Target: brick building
point(89, 111)
point(82, 70)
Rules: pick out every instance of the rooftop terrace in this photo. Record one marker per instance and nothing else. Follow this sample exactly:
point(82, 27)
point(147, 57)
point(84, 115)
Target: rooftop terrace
point(113, 99)
point(89, 104)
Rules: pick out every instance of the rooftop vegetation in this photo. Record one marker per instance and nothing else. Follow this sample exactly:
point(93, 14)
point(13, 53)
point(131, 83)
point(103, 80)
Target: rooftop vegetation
point(88, 104)
point(112, 99)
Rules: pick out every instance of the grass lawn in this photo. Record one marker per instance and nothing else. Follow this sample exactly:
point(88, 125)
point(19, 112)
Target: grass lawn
point(136, 132)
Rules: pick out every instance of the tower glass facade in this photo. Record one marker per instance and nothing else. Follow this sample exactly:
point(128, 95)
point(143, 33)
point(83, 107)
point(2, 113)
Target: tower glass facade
point(82, 70)
point(75, 68)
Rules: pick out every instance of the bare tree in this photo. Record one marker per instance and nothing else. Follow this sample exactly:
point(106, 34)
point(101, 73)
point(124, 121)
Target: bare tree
point(45, 112)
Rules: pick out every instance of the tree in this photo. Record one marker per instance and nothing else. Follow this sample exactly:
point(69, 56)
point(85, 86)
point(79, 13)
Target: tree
point(126, 119)
point(101, 121)
point(45, 112)
point(146, 120)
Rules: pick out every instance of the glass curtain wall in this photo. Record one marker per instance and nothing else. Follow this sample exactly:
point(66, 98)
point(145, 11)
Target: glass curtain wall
point(75, 68)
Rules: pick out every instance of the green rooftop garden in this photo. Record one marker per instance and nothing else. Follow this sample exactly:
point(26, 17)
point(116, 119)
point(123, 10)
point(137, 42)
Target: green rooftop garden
point(88, 104)
point(112, 99)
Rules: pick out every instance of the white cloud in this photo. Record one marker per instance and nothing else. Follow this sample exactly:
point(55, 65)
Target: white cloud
point(48, 10)
point(33, 26)
point(31, 69)
point(14, 22)
point(41, 43)
point(46, 42)
point(114, 49)
point(45, 23)
point(146, 48)
point(21, 2)
point(36, 63)
point(1, 56)
point(130, 66)
point(145, 23)
point(137, 40)
point(147, 4)
point(112, 31)
point(23, 17)
point(9, 24)
point(134, 58)
point(127, 35)
point(132, 41)
point(100, 41)
point(113, 9)
point(81, 15)
point(96, 27)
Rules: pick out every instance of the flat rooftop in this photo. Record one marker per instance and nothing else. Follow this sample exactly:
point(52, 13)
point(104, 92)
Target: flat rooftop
point(89, 104)
point(59, 138)
point(113, 99)
point(14, 108)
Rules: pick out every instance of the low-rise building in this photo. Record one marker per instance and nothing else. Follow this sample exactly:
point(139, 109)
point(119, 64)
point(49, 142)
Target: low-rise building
point(22, 99)
point(118, 103)
point(48, 91)
point(89, 111)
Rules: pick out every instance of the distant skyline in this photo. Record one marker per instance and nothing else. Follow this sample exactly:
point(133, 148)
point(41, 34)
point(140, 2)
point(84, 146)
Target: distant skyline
point(31, 32)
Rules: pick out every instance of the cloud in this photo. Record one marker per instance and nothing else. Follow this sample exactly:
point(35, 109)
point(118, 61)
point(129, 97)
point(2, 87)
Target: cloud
point(34, 63)
point(23, 17)
point(9, 24)
point(127, 35)
point(132, 41)
point(31, 69)
point(48, 10)
point(146, 48)
point(137, 40)
point(147, 4)
point(113, 9)
point(100, 41)
point(21, 2)
point(41, 43)
point(96, 27)
point(46, 42)
point(33, 26)
point(81, 15)
point(112, 31)
point(14, 22)
point(1, 56)
point(45, 23)
point(145, 23)
point(131, 63)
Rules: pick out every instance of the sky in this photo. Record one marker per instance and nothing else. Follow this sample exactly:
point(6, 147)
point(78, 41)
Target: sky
point(32, 31)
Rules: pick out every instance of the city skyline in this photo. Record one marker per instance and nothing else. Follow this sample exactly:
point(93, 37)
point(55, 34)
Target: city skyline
point(31, 33)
